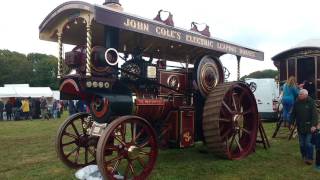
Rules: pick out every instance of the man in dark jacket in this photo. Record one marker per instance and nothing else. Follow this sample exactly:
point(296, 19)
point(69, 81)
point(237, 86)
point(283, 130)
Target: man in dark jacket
point(1, 109)
point(305, 113)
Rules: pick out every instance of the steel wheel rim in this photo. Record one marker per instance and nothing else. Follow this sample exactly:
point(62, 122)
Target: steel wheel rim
point(73, 145)
point(238, 122)
point(120, 153)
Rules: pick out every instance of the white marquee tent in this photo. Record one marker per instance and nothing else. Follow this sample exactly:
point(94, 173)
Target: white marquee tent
point(56, 95)
point(24, 91)
point(34, 91)
point(7, 92)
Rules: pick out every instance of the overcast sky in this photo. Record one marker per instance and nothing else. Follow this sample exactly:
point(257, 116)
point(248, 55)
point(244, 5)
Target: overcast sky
point(269, 25)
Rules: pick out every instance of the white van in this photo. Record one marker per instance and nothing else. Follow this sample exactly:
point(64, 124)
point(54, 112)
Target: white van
point(266, 94)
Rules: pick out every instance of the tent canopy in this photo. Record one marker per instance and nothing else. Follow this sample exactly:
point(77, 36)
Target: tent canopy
point(56, 95)
point(7, 92)
point(20, 91)
point(34, 91)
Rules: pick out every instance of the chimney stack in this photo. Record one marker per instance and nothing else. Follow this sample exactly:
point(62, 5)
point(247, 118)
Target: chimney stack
point(114, 4)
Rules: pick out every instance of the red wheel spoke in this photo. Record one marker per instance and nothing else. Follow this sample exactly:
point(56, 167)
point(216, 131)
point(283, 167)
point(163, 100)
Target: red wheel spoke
point(225, 120)
point(131, 169)
point(123, 131)
point(74, 150)
point(115, 159)
point(133, 132)
point(138, 135)
point(231, 142)
point(118, 139)
point(127, 171)
point(234, 102)
point(77, 155)
point(68, 143)
point(144, 144)
point(141, 162)
point(112, 147)
point(246, 112)
point(238, 143)
point(75, 129)
point(71, 135)
point(145, 153)
point(246, 131)
point(227, 107)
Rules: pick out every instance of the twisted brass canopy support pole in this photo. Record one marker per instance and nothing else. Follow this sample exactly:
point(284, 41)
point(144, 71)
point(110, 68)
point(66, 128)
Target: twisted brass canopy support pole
point(89, 49)
point(60, 67)
point(238, 67)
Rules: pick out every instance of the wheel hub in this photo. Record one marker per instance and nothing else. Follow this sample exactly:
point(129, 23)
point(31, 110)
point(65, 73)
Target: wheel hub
point(133, 152)
point(237, 121)
point(83, 141)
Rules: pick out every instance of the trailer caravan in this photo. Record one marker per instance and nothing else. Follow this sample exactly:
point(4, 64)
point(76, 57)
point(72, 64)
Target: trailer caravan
point(266, 94)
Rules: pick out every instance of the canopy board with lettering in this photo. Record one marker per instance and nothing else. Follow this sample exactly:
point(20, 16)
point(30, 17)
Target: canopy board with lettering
point(156, 39)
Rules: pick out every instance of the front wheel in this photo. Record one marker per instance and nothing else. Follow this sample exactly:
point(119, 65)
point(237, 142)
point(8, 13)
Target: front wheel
point(127, 149)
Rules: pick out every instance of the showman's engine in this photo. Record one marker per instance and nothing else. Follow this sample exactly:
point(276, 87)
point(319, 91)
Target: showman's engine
point(147, 85)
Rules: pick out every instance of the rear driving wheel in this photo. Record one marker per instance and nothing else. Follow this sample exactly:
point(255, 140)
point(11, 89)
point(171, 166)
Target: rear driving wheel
point(230, 120)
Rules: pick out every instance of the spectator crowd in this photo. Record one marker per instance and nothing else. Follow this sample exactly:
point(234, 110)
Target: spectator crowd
point(37, 108)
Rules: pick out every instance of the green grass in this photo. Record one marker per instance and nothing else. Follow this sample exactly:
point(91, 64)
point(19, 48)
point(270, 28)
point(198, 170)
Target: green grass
point(27, 152)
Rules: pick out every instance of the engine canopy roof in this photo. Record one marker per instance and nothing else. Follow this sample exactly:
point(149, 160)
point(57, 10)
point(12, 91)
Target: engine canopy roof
point(154, 38)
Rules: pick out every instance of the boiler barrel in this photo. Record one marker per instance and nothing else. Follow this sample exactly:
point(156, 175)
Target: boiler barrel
point(120, 104)
point(113, 105)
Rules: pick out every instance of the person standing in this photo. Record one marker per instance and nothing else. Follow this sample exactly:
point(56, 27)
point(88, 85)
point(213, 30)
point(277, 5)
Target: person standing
point(37, 108)
point(44, 108)
point(71, 107)
point(80, 106)
point(17, 113)
point(310, 87)
point(55, 109)
point(8, 107)
point(25, 107)
point(60, 108)
point(305, 114)
point(316, 143)
point(290, 93)
point(1, 109)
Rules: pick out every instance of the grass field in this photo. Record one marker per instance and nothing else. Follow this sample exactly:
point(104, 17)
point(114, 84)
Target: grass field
point(27, 152)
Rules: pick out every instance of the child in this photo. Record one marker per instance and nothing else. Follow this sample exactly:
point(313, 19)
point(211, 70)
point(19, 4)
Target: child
point(316, 142)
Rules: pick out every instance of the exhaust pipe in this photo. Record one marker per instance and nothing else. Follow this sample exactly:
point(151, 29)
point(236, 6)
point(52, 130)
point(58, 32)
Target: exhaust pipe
point(111, 56)
point(114, 4)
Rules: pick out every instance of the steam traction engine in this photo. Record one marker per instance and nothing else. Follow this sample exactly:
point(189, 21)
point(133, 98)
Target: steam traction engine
point(138, 101)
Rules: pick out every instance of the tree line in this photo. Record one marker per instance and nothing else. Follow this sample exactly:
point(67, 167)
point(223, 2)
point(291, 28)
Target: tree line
point(268, 73)
point(38, 70)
